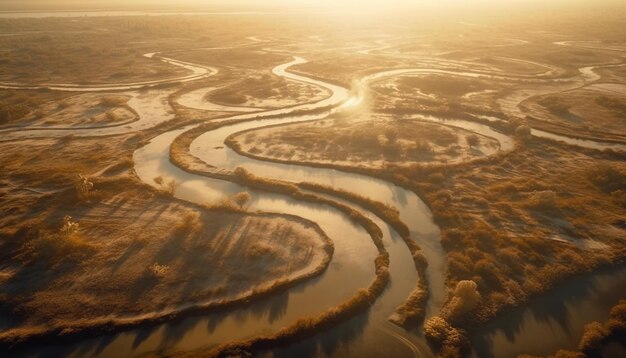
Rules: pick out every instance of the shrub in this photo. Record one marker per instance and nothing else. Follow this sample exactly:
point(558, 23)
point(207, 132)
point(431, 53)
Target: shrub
point(242, 173)
point(472, 140)
point(69, 227)
point(170, 186)
point(464, 300)
point(420, 260)
point(607, 178)
point(545, 199)
point(83, 186)
point(436, 330)
point(241, 199)
point(158, 271)
point(412, 310)
point(188, 224)
point(112, 101)
point(467, 294)
point(235, 203)
point(65, 244)
point(450, 340)
point(592, 337)
point(167, 186)
point(392, 135)
point(422, 148)
point(523, 132)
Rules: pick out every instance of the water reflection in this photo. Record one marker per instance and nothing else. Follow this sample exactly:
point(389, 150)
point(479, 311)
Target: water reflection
point(555, 320)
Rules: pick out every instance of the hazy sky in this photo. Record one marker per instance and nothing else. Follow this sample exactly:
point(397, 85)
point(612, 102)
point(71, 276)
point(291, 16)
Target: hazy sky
point(86, 4)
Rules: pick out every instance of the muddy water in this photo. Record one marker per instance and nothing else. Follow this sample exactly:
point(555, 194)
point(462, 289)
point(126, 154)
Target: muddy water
point(152, 161)
point(209, 148)
point(354, 341)
point(352, 265)
point(555, 320)
point(364, 333)
point(352, 268)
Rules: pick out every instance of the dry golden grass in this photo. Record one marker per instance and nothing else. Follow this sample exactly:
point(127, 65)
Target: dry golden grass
point(306, 326)
point(81, 52)
point(579, 112)
point(266, 91)
point(134, 264)
point(131, 245)
point(497, 216)
point(438, 85)
point(499, 219)
point(373, 143)
point(16, 105)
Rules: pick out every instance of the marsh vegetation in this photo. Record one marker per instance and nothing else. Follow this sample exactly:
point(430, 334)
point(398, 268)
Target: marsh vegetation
point(132, 206)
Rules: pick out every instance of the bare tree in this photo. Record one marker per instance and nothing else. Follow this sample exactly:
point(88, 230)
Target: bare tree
point(241, 199)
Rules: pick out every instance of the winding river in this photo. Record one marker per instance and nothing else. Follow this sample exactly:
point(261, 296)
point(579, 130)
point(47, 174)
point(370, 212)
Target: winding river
point(352, 266)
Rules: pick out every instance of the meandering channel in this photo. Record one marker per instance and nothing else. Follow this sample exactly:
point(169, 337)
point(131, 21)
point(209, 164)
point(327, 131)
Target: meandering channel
point(352, 266)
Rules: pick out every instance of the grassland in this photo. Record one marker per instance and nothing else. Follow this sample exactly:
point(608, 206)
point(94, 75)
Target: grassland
point(266, 91)
point(81, 110)
point(495, 211)
point(82, 241)
point(79, 256)
point(598, 112)
point(369, 141)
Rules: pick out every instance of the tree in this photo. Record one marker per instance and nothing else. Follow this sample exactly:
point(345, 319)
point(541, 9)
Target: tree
point(592, 337)
point(241, 199)
point(451, 341)
point(466, 291)
point(464, 300)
